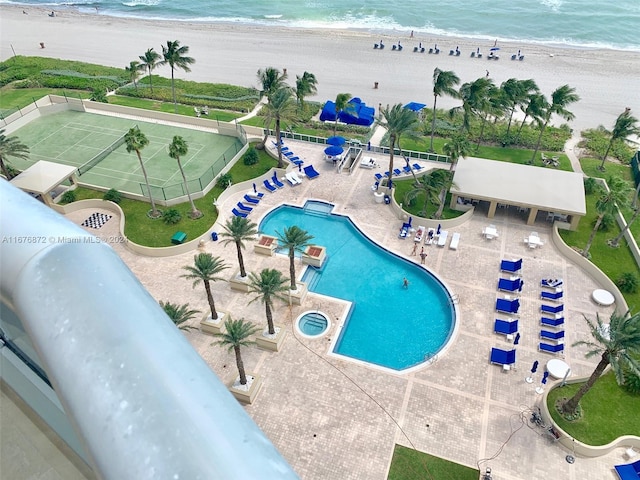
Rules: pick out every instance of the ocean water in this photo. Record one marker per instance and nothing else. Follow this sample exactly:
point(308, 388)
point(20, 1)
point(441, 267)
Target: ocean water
point(579, 23)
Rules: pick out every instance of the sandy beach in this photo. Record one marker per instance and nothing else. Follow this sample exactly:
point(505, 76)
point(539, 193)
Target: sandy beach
point(343, 61)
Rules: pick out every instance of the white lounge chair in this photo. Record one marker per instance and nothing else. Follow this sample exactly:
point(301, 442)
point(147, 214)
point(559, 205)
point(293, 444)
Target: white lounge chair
point(455, 239)
point(419, 234)
point(442, 238)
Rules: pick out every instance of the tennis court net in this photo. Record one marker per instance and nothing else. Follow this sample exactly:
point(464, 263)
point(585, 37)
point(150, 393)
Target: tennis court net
point(100, 156)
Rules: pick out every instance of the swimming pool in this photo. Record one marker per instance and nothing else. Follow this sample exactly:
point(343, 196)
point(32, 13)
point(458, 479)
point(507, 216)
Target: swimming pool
point(388, 325)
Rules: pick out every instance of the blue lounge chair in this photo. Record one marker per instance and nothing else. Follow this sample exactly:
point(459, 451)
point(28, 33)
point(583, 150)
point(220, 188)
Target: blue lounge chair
point(397, 171)
point(506, 358)
point(296, 160)
point(510, 285)
point(552, 322)
point(417, 167)
point(287, 153)
point(505, 327)
point(239, 214)
point(554, 296)
point(407, 169)
point(244, 208)
point(404, 230)
point(507, 305)
point(552, 309)
point(378, 176)
point(511, 266)
point(252, 200)
point(269, 187)
point(550, 283)
point(546, 347)
point(311, 172)
point(276, 181)
point(552, 335)
point(630, 471)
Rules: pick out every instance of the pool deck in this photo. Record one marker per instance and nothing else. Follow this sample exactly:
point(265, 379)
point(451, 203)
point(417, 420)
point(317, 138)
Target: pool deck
point(334, 419)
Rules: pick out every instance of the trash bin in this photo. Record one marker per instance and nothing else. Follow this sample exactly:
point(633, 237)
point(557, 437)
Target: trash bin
point(214, 236)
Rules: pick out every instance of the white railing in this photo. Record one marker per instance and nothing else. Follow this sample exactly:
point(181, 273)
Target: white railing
point(141, 399)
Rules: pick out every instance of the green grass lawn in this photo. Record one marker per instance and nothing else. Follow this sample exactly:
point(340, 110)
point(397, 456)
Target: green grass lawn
point(167, 107)
point(14, 98)
point(608, 412)
point(403, 186)
point(408, 464)
point(139, 228)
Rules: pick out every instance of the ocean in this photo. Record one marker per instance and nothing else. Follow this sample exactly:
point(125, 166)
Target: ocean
point(574, 23)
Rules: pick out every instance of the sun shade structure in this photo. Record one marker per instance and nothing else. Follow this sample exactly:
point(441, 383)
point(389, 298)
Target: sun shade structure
point(43, 177)
point(414, 106)
point(524, 186)
point(336, 140)
point(333, 150)
point(356, 113)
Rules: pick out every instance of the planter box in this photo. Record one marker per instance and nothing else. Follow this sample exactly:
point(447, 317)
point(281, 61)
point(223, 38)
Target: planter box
point(296, 297)
point(208, 325)
point(314, 255)
point(238, 283)
point(266, 245)
point(272, 344)
point(250, 395)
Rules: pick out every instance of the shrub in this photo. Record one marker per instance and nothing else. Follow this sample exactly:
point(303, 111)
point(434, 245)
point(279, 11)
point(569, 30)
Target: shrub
point(113, 195)
point(69, 196)
point(251, 157)
point(591, 185)
point(608, 222)
point(627, 283)
point(224, 180)
point(631, 382)
point(99, 95)
point(171, 216)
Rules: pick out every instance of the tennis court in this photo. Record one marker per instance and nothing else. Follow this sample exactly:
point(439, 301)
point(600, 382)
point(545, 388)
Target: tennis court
point(75, 138)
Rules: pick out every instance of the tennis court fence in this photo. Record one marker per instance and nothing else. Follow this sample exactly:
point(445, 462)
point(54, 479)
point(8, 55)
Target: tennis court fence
point(85, 167)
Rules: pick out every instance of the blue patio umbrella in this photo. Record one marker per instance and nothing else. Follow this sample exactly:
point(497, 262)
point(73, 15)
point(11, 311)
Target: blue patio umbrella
point(336, 140)
point(255, 189)
point(544, 378)
point(438, 231)
point(493, 49)
point(333, 150)
point(534, 367)
point(517, 339)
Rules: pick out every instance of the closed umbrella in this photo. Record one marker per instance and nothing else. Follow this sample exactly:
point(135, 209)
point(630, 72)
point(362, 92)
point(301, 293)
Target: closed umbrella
point(534, 368)
point(336, 140)
point(333, 150)
point(517, 339)
point(540, 389)
point(255, 189)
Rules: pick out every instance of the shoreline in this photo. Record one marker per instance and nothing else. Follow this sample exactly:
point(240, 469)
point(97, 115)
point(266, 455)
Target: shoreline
point(342, 60)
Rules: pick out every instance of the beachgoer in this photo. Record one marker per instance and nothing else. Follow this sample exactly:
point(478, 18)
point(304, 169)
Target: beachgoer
point(411, 33)
point(423, 256)
point(487, 73)
point(415, 249)
point(41, 44)
point(405, 283)
point(495, 43)
point(24, 13)
point(52, 14)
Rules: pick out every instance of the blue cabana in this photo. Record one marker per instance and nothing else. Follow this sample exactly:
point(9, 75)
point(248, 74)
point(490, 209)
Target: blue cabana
point(356, 113)
point(414, 106)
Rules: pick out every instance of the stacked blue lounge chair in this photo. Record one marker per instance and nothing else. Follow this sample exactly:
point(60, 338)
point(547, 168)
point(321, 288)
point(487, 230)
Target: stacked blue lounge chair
point(552, 322)
point(404, 230)
point(253, 200)
point(244, 208)
point(546, 334)
point(510, 284)
point(276, 181)
point(552, 309)
point(311, 172)
point(268, 186)
point(554, 296)
point(549, 348)
point(505, 327)
point(551, 283)
point(630, 471)
point(507, 305)
point(506, 358)
point(511, 266)
point(238, 213)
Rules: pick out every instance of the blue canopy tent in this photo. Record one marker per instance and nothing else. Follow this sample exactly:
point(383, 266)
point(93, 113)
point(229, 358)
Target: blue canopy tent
point(356, 113)
point(414, 106)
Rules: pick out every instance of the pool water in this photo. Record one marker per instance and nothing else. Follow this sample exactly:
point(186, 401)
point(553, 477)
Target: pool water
point(389, 325)
point(313, 324)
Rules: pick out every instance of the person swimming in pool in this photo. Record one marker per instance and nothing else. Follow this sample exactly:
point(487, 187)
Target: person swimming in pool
point(405, 283)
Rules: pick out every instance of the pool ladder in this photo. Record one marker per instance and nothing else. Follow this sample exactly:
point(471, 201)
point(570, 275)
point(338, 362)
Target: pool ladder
point(455, 299)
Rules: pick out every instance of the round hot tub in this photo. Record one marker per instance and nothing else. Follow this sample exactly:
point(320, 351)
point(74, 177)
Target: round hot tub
point(312, 324)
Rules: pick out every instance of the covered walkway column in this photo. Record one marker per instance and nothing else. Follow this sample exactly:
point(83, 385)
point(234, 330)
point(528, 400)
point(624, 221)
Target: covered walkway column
point(575, 219)
point(533, 213)
point(492, 209)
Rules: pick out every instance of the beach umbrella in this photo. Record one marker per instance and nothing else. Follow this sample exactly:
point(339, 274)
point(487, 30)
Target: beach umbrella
point(300, 167)
point(517, 339)
point(493, 49)
point(255, 189)
point(333, 150)
point(534, 368)
point(540, 389)
point(336, 140)
point(544, 378)
point(438, 231)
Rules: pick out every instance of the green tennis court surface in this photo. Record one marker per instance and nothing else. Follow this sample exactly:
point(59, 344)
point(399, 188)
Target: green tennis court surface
point(73, 138)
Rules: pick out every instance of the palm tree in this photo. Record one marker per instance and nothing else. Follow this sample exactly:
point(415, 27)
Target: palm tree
point(11, 147)
point(342, 104)
point(179, 314)
point(205, 269)
point(238, 230)
point(475, 99)
point(430, 186)
point(175, 56)
point(618, 345)
point(268, 285)
point(397, 121)
point(617, 196)
point(616, 241)
point(135, 141)
point(626, 124)
point(179, 148)
point(294, 239)
point(494, 105)
point(281, 107)
point(535, 107)
point(516, 93)
point(134, 72)
point(458, 146)
point(305, 85)
point(443, 84)
point(271, 80)
point(148, 62)
point(235, 336)
point(561, 98)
